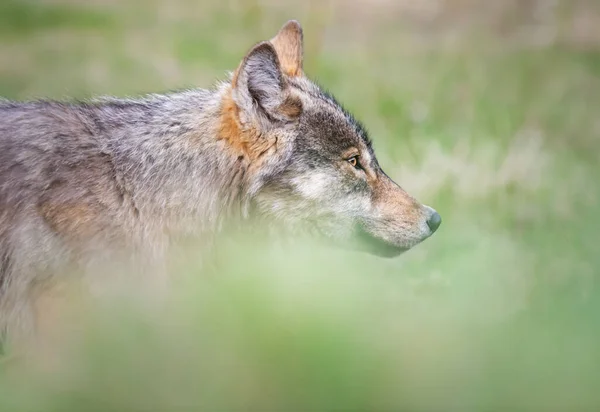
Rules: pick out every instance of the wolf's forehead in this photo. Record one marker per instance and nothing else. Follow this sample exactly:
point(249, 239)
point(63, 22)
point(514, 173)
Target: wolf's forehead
point(330, 113)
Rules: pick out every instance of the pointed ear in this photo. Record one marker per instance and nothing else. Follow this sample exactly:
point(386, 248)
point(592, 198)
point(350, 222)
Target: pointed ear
point(288, 44)
point(259, 89)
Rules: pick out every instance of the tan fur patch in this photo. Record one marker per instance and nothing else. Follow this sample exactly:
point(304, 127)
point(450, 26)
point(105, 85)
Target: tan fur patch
point(291, 107)
point(77, 221)
point(58, 309)
point(288, 44)
point(243, 141)
point(49, 307)
point(392, 200)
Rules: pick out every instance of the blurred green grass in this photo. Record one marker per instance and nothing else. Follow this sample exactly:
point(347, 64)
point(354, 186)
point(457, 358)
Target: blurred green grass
point(499, 310)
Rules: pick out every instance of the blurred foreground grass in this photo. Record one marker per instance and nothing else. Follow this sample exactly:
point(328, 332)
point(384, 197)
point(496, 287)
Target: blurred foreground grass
point(500, 310)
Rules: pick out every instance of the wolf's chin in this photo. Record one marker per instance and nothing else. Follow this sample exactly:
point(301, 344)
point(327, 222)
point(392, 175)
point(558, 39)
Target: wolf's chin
point(363, 241)
point(378, 247)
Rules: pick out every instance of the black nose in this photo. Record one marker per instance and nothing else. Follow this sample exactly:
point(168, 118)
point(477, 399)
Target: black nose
point(434, 221)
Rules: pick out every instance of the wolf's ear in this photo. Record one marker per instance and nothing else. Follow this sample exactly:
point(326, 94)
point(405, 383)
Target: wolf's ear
point(288, 44)
point(259, 89)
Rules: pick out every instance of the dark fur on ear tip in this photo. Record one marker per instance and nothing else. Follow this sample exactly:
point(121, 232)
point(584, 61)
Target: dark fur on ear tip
point(263, 52)
point(264, 49)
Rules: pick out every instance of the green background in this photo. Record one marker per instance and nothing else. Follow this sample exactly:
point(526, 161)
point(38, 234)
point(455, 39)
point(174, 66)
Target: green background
point(490, 114)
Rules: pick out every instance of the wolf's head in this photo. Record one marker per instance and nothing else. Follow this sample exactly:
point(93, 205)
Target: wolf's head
point(312, 163)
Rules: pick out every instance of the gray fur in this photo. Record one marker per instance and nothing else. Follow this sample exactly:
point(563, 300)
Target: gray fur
point(82, 183)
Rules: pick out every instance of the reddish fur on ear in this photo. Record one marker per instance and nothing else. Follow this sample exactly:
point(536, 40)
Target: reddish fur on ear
point(291, 107)
point(288, 44)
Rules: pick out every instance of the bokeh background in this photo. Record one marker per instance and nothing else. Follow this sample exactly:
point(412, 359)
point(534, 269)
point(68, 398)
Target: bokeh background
point(486, 110)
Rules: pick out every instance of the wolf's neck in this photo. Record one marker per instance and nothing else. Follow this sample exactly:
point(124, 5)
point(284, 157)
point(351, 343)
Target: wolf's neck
point(167, 150)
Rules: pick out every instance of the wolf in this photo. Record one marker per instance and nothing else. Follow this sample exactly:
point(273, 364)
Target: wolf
point(84, 182)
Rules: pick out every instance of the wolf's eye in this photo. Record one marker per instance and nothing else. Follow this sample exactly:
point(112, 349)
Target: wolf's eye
point(354, 162)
